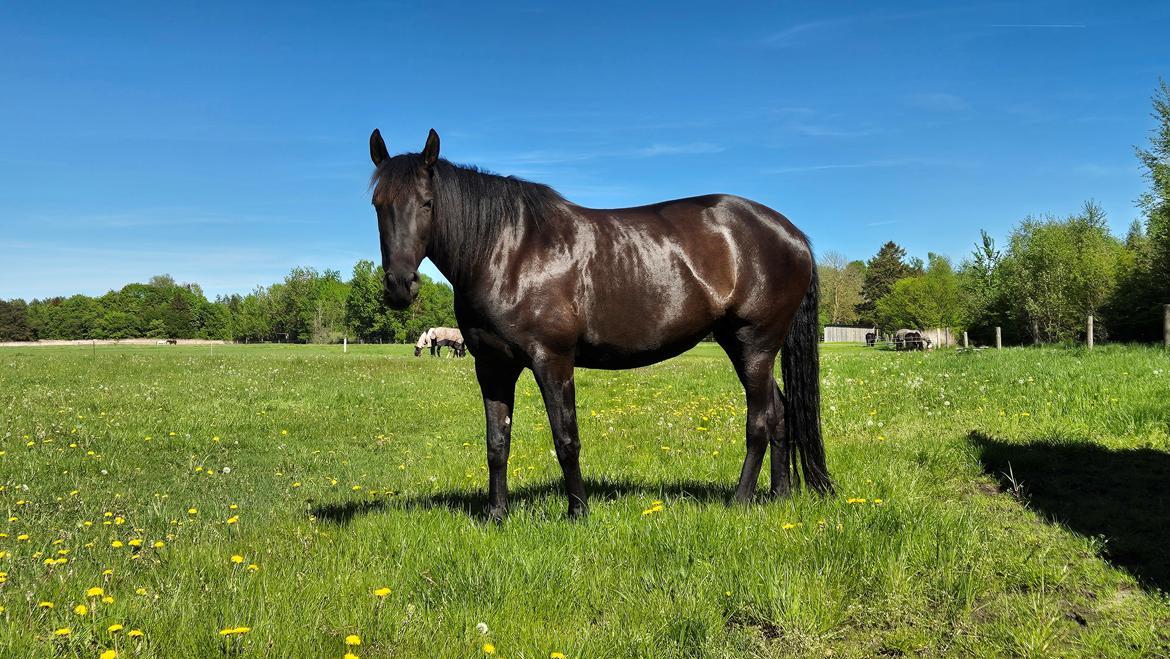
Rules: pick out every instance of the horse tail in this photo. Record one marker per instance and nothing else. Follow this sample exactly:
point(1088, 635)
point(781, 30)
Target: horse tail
point(800, 364)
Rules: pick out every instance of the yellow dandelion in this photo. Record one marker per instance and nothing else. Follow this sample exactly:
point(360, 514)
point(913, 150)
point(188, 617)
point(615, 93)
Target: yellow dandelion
point(192, 511)
point(109, 654)
point(117, 544)
point(107, 600)
point(233, 519)
point(236, 558)
point(159, 544)
point(557, 655)
point(81, 609)
point(787, 525)
point(353, 640)
point(63, 631)
point(488, 648)
point(140, 591)
point(114, 628)
point(45, 605)
point(252, 567)
point(382, 592)
point(349, 655)
point(136, 633)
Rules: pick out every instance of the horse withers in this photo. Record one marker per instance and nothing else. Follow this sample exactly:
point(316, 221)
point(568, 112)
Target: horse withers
point(544, 284)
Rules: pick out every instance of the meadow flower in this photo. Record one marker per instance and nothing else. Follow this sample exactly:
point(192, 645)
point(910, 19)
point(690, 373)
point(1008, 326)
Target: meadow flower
point(353, 640)
point(557, 655)
point(236, 558)
point(482, 628)
point(488, 648)
point(109, 654)
point(382, 592)
point(140, 591)
point(107, 600)
point(349, 655)
point(233, 519)
point(81, 609)
point(114, 628)
point(136, 633)
point(159, 544)
point(45, 605)
point(117, 544)
point(63, 631)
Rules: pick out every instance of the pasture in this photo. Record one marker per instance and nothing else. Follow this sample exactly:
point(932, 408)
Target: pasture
point(275, 500)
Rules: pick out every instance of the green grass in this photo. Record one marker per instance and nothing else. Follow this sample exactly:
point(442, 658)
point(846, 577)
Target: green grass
point(352, 472)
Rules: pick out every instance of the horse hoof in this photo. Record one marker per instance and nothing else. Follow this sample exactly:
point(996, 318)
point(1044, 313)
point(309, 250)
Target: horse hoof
point(497, 514)
point(578, 512)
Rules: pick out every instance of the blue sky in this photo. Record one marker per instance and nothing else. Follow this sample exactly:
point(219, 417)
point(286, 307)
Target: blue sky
point(224, 143)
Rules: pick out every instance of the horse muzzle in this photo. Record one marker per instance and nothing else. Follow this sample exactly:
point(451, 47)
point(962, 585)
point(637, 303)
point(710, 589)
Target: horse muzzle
point(399, 292)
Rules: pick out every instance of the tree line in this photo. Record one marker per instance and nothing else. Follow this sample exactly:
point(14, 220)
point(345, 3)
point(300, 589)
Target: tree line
point(306, 307)
point(1040, 286)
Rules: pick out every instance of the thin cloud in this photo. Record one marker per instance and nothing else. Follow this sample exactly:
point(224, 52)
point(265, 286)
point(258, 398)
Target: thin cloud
point(1048, 26)
point(794, 35)
point(938, 102)
point(869, 164)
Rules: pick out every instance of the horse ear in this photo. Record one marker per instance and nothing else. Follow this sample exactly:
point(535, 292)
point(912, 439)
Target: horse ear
point(430, 152)
point(378, 152)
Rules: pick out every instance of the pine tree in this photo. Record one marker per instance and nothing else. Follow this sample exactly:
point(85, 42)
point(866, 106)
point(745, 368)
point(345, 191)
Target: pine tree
point(881, 271)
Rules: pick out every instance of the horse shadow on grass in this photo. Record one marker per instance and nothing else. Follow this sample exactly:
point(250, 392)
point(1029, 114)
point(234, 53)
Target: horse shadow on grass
point(1122, 496)
point(474, 503)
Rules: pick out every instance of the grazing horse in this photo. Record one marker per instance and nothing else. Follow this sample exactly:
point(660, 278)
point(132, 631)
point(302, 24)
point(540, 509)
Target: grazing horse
point(424, 341)
point(870, 339)
point(544, 284)
point(907, 339)
point(447, 337)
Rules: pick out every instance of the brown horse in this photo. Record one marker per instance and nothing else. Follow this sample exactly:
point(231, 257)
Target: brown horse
point(544, 284)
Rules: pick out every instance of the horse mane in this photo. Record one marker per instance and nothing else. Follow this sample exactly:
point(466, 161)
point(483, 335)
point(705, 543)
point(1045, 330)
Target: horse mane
point(472, 205)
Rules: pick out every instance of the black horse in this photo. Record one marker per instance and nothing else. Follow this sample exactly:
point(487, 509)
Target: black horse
point(544, 284)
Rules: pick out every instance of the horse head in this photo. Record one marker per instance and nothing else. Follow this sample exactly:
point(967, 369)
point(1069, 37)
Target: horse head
point(404, 194)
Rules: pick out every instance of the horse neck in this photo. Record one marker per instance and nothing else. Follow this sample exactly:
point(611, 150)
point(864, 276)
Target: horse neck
point(461, 269)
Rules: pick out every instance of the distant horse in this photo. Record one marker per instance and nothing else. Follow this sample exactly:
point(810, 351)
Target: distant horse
point(173, 342)
point(545, 284)
point(448, 337)
point(424, 341)
point(907, 339)
point(870, 339)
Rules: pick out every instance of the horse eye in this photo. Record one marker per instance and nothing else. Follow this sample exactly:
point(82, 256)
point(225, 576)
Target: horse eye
point(428, 203)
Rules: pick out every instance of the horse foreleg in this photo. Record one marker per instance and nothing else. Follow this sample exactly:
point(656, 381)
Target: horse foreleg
point(554, 376)
point(497, 383)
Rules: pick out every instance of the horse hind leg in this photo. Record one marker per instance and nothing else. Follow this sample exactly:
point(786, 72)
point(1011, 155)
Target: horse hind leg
point(754, 368)
point(782, 452)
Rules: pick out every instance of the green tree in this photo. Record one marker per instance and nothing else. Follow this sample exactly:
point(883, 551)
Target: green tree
point(881, 271)
point(926, 301)
point(1059, 271)
point(841, 282)
point(14, 323)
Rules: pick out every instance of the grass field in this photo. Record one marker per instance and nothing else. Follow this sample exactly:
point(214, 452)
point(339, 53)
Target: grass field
point(272, 501)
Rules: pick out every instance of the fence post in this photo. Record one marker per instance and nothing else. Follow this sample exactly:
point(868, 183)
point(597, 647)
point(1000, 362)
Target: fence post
point(344, 344)
point(1166, 326)
point(965, 343)
point(998, 338)
point(1090, 333)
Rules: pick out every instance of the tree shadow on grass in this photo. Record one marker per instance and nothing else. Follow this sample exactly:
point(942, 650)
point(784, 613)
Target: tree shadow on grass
point(474, 503)
point(1121, 495)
